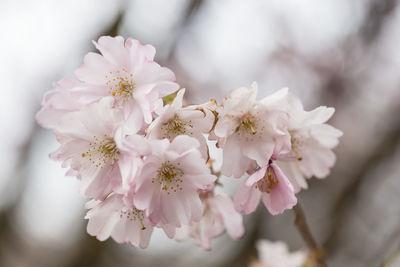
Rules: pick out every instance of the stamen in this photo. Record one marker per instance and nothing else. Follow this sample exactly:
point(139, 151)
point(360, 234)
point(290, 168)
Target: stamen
point(121, 86)
point(248, 124)
point(134, 215)
point(169, 177)
point(102, 151)
point(268, 182)
point(175, 126)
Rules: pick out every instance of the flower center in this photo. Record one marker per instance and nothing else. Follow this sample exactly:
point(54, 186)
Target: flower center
point(134, 215)
point(102, 151)
point(268, 182)
point(121, 85)
point(174, 127)
point(169, 177)
point(247, 123)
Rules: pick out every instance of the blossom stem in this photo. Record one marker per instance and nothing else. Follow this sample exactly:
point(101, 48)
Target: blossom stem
point(216, 173)
point(304, 229)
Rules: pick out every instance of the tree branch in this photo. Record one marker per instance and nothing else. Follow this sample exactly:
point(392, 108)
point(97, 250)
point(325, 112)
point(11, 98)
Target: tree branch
point(304, 229)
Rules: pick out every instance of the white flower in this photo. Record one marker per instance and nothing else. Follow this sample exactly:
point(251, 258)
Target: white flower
point(93, 146)
point(219, 215)
point(174, 120)
point(118, 218)
point(312, 141)
point(126, 70)
point(171, 175)
point(249, 130)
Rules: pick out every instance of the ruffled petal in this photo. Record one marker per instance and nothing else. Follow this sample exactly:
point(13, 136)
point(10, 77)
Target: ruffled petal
point(94, 69)
point(113, 50)
point(247, 199)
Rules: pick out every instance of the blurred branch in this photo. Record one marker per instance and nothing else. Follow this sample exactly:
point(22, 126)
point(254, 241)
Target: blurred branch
point(113, 28)
point(378, 13)
point(385, 149)
point(10, 240)
point(304, 229)
point(192, 9)
point(90, 252)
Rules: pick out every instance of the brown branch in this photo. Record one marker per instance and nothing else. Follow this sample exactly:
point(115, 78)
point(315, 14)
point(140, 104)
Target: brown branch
point(304, 229)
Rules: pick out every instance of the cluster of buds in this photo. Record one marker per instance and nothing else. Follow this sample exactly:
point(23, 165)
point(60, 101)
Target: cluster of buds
point(145, 162)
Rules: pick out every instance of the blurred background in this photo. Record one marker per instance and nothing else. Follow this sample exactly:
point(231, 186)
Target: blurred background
point(336, 52)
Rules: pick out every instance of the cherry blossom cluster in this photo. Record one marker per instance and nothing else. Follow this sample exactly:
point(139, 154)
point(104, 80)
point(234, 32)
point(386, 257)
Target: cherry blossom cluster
point(142, 155)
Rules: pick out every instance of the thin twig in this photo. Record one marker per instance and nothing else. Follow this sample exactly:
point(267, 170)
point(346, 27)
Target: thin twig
point(304, 229)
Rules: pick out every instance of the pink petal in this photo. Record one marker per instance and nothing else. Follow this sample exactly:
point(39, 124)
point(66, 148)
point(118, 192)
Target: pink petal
point(183, 143)
point(317, 161)
point(234, 163)
point(319, 115)
point(98, 185)
point(282, 195)
point(277, 100)
point(326, 135)
point(259, 151)
point(177, 103)
point(255, 177)
point(145, 236)
point(94, 69)
point(169, 230)
point(144, 189)
point(233, 220)
point(294, 174)
point(113, 50)
point(247, 199)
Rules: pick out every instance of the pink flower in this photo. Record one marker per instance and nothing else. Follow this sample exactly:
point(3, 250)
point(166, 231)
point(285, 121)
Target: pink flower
point(175, 120)
point(126, 71)
point(270, 184)
point(219, 215)
point(171, 175)
point(248, 129)
point(312, 141)
point(58, 102)
point(92, 146)
point(118, 218)
point(276, 254)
